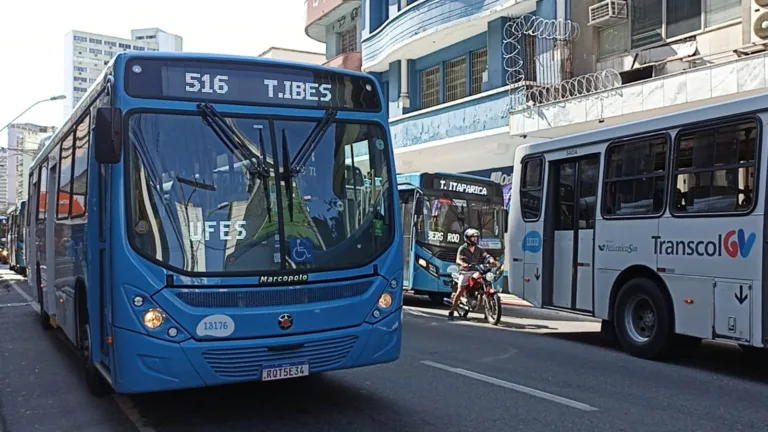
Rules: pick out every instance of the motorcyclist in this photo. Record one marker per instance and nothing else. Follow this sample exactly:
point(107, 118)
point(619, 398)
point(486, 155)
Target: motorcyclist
point(469, 254)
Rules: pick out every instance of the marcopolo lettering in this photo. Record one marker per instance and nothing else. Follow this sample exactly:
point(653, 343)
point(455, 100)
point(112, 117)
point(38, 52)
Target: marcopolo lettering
point(733, 243)
point(463, 187)
point(283, 279)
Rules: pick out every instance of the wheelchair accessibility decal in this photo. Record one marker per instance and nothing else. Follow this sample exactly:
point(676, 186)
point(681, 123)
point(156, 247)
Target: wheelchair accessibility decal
point(302, 251)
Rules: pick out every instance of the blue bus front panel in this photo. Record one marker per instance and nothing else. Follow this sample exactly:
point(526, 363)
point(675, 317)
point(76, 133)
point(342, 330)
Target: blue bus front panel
point(213, 336)
point(149, 364)
point(435, 278)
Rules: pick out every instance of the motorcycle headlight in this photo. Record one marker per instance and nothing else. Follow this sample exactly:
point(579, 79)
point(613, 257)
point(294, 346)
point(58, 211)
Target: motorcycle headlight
point(489, 277)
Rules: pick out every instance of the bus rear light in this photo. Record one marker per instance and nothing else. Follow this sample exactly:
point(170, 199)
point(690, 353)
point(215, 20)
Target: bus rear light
point(688, 301)
point(153, 318)
point(109, 340)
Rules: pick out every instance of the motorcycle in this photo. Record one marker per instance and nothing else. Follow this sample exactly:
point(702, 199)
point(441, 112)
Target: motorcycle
point(479, 292)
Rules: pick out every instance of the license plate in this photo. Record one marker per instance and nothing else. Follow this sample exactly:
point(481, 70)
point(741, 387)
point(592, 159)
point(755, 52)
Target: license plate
point(284, 371)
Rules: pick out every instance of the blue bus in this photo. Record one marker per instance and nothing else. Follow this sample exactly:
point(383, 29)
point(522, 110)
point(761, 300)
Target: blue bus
point(437, 208)
point(194, 224)
point(15, 240)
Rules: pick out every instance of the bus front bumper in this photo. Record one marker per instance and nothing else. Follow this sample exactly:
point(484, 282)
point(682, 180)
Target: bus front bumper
point(146, 364)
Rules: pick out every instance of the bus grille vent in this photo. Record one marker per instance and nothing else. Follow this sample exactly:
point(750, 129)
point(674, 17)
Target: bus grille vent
point(264, 297)
point(246, 363)
point(446, 256)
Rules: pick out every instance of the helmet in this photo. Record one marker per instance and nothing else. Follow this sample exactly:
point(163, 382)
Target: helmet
point(471, 232)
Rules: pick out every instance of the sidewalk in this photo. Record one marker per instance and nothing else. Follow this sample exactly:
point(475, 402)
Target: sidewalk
point(513, 300)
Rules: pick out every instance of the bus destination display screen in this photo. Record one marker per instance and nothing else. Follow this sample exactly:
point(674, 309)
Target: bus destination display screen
point(249, 83)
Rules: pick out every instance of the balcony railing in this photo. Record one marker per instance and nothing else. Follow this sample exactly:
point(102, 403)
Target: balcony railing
point(538, 58)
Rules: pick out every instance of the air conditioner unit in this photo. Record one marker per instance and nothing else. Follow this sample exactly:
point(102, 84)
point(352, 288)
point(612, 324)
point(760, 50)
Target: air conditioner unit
point(608, 13)
point(759, 20)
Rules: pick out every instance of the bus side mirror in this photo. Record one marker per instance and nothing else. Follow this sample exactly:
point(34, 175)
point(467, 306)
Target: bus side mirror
point(108, 135)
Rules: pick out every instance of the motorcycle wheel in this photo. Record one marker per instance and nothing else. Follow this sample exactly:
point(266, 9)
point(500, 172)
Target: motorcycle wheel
point(493, 309)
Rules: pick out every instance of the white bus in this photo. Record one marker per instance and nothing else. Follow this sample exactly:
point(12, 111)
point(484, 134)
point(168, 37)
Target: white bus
point(656, 227)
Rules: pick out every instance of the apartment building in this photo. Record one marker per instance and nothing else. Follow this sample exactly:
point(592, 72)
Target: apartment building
point(24, 141)
point(442, 68)
point(294, 55)
point(468, 81)
point(337, 24)
point(652, 57)
point(3, 181)
point(86, 55)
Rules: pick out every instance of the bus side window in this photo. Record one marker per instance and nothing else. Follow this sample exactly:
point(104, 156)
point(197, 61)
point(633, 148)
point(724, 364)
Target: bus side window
point(530, 188)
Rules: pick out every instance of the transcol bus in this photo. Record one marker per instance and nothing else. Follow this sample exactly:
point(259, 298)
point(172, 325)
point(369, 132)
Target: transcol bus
point(656, 227)
point(193, 223)
point(437, 208)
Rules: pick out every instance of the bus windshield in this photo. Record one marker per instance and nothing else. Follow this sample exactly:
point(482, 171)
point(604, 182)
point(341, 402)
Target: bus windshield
point(200, 205)
point(447, 219)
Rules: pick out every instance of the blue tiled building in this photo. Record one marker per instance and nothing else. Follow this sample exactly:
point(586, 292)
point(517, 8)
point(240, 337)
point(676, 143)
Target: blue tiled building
point(445, 67)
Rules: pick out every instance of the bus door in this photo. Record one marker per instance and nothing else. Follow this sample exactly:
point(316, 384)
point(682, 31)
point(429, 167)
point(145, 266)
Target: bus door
point(407, 199)
point(50, 241)
point(570, 222)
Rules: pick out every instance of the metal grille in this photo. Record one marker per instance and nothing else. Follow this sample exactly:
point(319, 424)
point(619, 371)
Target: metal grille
point(479, 65)
point(264, 297)
point(349, 40)
point(430, 87)
point(246, 363)
point(455, 79)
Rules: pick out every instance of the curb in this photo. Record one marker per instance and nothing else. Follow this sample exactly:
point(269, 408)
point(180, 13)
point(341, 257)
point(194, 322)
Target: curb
point(514, 303)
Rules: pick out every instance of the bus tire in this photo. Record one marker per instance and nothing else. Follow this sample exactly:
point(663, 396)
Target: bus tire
point(45, 318)
point(643, 320)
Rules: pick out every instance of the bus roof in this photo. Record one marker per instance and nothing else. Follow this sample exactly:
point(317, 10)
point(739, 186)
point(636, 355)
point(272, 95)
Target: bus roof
point(121, 58)
point(740, 106)
point(444, 174)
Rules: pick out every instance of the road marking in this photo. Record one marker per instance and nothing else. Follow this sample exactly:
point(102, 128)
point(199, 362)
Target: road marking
point(32, 303)
point(512, 386)
point(127, 407)
point(415, 312)
point(15, 304)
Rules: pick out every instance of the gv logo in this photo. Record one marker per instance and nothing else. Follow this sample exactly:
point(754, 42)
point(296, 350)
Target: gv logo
point(741, 246)
point(532, 242)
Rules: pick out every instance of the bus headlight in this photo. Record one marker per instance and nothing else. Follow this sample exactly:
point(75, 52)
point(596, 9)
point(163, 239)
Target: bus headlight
point(153, 318)
point(385, 301)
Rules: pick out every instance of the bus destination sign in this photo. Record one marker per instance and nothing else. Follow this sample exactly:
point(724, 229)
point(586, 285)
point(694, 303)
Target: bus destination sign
point(250, 83)
point(460, 186)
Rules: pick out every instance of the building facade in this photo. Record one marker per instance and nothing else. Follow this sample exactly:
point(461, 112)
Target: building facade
point(24, 141)
point(658, 56)
point(337, 24)
point(3, 181)
point(294, 55)
point(468, 81)
point(86, 55)
point(446, 68)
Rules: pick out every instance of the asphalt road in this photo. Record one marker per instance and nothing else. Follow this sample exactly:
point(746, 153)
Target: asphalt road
point(536, 372)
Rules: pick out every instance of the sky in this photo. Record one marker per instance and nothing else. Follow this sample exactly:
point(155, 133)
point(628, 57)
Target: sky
point(32, 39)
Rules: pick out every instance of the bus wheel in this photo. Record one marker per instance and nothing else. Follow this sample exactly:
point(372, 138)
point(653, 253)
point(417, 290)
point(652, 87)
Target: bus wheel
point(45, 318)
point(97, 384)
point(643, 319)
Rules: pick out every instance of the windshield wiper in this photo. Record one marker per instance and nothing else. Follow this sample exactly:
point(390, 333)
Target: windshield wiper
point(287, 175)
point(229, 136)
point(311, 142)
point(196, 184)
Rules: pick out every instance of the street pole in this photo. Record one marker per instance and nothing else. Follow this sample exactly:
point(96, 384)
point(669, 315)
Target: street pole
point(54, 98)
